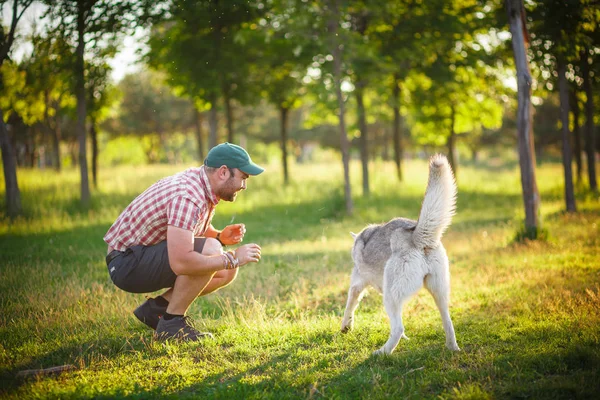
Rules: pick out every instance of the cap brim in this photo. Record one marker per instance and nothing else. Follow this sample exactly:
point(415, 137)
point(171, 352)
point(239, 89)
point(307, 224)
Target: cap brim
point(252, 169)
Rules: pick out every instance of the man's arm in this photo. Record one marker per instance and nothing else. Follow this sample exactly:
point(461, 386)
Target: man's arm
point(231, 234)
point(211, 232)
point(182, 257)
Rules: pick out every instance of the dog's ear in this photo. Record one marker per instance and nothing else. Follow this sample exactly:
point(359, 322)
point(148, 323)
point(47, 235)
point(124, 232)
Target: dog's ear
point(354, 235)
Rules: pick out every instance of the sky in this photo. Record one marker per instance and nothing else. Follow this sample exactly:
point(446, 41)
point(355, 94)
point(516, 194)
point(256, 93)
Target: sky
point(125, 62)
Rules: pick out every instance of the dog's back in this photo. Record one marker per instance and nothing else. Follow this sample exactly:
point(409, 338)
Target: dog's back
point(372, 248)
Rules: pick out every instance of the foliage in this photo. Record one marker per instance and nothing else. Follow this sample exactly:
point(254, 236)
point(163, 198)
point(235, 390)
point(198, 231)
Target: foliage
point(197, 46)
point(148, 106)
point(19, 98)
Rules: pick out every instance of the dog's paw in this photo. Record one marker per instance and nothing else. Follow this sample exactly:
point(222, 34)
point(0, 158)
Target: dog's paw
point(453, 347)
point(347, 326)
point(380, 352)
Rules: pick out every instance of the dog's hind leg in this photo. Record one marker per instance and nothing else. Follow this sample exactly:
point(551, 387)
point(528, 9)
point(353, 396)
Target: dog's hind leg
point(439, 287)
point(396, 329)
point(395, 294)
point(355, 294)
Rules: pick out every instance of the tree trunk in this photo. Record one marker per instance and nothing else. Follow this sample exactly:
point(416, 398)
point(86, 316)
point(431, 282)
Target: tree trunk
point(474, 155)
point(531, 197)
point(574, 105)
point(94, 137)
point(564, 117)
point(73, 152)
point(590, 135)
point(397, 127)
point(29, 146)
point(284, 155)
point(336, 51)
point(54, 132)
point(56, 144)
point(229, 117)
point(362, 124)
point(81, 107)
point(452, 141)
point(9, 162)
point(213, 122)
point(199, 135)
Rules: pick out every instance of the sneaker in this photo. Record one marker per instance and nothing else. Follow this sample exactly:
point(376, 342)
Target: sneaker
point(150, 312)
point(179, 328)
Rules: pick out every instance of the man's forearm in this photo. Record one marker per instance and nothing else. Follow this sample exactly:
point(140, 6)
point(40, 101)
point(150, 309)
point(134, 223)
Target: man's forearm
point(194, 263)
point(211, 232)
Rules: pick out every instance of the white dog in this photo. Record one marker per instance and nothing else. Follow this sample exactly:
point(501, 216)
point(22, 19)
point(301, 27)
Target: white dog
point(398, 257)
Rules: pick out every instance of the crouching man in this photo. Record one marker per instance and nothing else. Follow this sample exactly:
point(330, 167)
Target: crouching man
point(164, 239)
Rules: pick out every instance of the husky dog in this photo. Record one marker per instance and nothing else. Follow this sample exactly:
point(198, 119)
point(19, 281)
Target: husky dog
point(399, 256)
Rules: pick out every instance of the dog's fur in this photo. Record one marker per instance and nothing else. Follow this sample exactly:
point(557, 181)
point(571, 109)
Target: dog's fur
point(398, 257)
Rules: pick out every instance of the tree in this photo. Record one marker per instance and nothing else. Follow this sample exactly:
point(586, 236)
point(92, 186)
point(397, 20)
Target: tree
point(197, 46)
point(279, 57)
point(92, 23)
point(557, 33)
point(575, 109)
point(362, 62)
point(531, 197)
point(100, 95)
point(47, 76)
point(149, 107)
point(566, 136)
point(590, 134)
point(336, 46)
point(562, 33)
point(430, 37)
point(13, 194)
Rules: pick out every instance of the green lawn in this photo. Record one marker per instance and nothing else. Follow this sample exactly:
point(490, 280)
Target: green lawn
point(526, 315)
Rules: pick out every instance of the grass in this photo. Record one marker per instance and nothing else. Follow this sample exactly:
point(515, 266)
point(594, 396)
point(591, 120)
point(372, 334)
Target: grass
point(526, 314)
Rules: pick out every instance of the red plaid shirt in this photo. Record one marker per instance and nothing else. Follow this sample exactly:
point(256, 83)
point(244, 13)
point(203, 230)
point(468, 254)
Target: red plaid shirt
point(185, 200)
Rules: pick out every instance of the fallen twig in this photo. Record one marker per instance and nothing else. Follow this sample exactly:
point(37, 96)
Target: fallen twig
point(45, 371)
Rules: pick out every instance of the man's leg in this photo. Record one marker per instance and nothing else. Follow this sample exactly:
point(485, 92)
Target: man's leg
point(188, 287)
point(174, 324)
point(218, 280)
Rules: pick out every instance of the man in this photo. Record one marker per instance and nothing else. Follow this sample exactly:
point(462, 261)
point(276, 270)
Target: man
point(165, 240)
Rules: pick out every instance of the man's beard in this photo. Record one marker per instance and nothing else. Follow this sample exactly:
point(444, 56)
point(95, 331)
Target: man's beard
point(228, 192)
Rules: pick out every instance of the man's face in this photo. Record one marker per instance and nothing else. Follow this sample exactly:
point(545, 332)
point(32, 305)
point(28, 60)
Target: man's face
point(235, 183)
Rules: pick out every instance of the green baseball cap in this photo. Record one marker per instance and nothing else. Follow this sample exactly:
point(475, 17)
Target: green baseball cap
point(233, 156)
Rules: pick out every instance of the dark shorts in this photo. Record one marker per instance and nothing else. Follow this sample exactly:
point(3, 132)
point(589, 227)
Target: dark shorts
point(144, 269)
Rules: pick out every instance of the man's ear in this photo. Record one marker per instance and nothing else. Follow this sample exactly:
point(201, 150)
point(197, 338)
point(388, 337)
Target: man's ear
point(223, 172)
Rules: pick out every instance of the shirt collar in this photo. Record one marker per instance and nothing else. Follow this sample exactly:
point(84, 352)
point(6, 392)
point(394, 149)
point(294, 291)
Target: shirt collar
point(210, 195)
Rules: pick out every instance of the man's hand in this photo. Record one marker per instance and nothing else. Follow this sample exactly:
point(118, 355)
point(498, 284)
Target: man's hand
point(248, 253)
point(232, 234)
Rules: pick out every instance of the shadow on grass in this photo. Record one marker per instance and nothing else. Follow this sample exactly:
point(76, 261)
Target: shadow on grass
point(79, 352)
point(531, 360)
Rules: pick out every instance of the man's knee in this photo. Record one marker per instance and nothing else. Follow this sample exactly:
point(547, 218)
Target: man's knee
point(224, 277)
point(229, 275)
point(212, 247)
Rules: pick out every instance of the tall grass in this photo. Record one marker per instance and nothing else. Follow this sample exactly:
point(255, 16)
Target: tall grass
point(526, 314)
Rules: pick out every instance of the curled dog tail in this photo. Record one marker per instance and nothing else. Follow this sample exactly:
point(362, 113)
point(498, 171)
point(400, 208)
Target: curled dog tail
point(439, 204)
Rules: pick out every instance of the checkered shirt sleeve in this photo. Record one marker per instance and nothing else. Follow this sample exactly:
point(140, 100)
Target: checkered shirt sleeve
point(183, 213)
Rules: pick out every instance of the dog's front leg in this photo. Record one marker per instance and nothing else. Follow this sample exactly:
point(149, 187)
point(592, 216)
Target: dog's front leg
point(355, 294)
point(439, 287)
